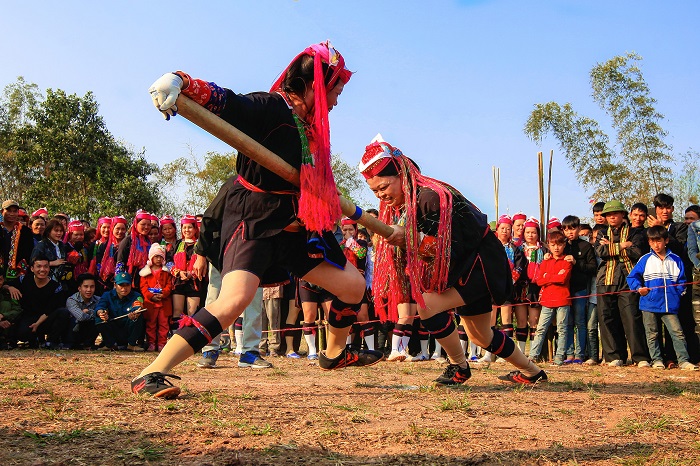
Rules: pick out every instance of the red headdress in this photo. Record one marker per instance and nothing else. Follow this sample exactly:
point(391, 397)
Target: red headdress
point(394, 273)
point(504, 219)
point(41, 212)
point(167, 220)
point(554, 224)
point(73, 225)
point(319, 207)
point(102, 221)
point(348, 221)
point(519, 216)
point(532, 222)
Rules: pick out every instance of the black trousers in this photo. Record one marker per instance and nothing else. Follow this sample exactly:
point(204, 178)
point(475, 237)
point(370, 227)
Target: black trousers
point(620, 324)
point(55, 328)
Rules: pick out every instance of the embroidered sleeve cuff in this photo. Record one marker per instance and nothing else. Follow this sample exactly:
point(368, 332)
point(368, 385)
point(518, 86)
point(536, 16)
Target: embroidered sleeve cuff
point(206, 94)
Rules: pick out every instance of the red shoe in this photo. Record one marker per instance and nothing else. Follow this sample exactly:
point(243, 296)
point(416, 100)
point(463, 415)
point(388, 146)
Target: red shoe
point(519, 377)
point(157, 385)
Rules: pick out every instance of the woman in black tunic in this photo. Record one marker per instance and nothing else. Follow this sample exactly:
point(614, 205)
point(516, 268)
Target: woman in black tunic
point(452, 260)
point(267, 221)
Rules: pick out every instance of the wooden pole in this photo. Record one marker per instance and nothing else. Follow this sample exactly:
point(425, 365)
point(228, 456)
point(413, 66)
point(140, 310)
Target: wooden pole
point(243, 143)
point(540, 180)
point(549, 188)
point(496, 186)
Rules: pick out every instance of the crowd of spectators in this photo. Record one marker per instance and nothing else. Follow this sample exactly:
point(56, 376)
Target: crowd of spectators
point(124, 285)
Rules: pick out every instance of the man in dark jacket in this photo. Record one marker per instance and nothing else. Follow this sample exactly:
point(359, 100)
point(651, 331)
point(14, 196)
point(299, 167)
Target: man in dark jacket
point(16, 241)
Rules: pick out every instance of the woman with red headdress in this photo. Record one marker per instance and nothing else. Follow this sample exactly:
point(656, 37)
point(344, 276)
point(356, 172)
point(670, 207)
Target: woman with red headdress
point(528, 312)
point(267, 221)
point(168, 233)
point(77, 256)
point(451, 260)
point(187, 287)
point(107, 252)
point(132, 254)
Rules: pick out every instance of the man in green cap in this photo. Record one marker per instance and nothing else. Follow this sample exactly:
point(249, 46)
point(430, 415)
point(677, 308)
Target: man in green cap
point(619, 248)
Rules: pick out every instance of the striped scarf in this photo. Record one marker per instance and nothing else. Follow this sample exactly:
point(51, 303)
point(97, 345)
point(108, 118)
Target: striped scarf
point(617, 254)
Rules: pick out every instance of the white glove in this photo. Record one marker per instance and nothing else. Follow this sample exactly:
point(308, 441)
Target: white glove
point(164, 93)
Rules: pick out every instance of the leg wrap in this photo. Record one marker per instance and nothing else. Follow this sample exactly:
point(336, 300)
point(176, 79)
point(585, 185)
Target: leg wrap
point(462, 333)
point(521, 334)
point(508, 330)
point(398, 330)
point(440, 325)
point(342, 315)
point(367, 329)
point(309, 328)
point(199, 330)
point(501, 344)
point(238, 324)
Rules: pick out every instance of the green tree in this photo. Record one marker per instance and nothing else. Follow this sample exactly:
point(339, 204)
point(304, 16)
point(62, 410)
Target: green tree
point(643, 165)
point(17, 103)
point(65, 158)
point(348, 180)
point(202, 179)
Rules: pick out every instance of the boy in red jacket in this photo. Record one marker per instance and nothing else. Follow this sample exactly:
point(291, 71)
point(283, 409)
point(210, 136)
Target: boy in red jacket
point(156, 285)
point(553, 277)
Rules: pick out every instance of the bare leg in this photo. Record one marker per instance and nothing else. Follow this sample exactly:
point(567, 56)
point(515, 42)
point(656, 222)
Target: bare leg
point(192, 305)
point(237, 291)
point(178, 305)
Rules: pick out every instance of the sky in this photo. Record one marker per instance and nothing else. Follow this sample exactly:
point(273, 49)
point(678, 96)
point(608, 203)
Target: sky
point(451, 83)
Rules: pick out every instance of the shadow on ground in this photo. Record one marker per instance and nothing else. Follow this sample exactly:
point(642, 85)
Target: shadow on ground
point(112, 446)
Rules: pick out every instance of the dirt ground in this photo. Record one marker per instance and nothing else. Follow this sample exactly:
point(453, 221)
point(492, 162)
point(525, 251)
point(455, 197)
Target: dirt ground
point(75, 408)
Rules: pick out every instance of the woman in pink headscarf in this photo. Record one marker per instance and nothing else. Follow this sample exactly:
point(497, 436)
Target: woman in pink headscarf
point(266, 220)
point(132, 254)
point(107, 252)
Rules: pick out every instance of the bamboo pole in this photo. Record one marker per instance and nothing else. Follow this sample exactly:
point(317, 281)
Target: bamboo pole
point(549, 188)
point(243, 143)
point(496, 186)
point(540, 181)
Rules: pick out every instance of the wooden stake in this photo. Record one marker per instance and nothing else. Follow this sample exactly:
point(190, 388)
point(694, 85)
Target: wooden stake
point(549, 189)
point(496, 186)
point(240, 141)
point(540, 180)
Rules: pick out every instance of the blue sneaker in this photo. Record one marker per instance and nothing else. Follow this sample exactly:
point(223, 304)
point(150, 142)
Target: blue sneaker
point(293, 355)
point(253, 359)
point(312, 357)
point(208, 360)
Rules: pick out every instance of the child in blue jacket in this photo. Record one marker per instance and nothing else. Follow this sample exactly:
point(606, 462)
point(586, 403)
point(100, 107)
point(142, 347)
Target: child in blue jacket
point(659, 277)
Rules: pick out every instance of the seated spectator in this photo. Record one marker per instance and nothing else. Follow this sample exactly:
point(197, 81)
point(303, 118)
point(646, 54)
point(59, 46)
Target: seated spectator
point(82, 306)
point(10, 311)
point(119, 332)
point(43, 314)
